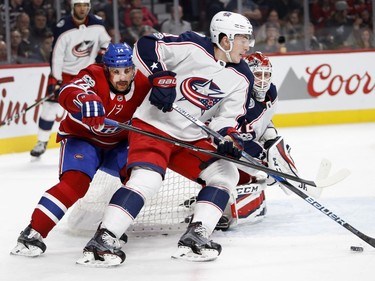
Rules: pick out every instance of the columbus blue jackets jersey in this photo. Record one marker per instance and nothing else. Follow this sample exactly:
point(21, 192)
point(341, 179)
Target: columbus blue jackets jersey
point(257, 121)
point(206, 88)
point(76, 47)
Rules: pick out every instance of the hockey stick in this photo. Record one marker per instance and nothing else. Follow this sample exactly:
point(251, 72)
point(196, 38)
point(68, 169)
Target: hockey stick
point(22, 112)
point(313, 202)
point(339, 176)
point(207, 152)
point(281, 180)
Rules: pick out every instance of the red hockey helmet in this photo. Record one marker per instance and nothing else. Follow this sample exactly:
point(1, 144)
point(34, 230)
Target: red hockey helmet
point(261, 67)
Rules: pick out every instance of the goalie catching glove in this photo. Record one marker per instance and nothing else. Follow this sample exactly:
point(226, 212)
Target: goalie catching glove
point(92, 110)
point(232, 144)
point(163, 92)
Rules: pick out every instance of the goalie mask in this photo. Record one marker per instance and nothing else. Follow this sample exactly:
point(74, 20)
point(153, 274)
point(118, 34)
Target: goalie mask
point(261, 67)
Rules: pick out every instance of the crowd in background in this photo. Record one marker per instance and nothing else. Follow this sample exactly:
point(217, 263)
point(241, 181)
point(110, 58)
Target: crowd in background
point(279, 25)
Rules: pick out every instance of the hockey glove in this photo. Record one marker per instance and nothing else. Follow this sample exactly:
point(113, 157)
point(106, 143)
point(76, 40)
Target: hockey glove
point(232, 144)
point(92, 110)
point(163, 92)
point(53, 87)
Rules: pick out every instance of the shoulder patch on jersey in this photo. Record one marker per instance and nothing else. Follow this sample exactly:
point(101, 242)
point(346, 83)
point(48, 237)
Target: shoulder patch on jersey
point(98, 17)
point(88, 80)
point(60, 23)
point(251, 103)
point(158, 35)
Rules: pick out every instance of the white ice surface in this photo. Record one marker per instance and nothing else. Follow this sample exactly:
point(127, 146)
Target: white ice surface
point(294, 242)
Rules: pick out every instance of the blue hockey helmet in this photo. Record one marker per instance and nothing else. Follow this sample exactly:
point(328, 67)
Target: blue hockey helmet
point(118, 55)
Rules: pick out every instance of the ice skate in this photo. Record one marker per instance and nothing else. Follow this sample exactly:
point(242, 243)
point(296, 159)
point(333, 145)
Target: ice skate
point(39, 148)
point(29, 244)
point(194, 245)
point(103, 250)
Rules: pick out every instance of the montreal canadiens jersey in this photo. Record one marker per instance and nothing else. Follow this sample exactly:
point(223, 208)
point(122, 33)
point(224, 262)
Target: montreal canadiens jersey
point(118, 106)
point(206, 88)
point(258, 118)
point(76, 47)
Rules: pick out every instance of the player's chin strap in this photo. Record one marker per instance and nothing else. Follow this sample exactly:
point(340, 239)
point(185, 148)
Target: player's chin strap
point(313, 202)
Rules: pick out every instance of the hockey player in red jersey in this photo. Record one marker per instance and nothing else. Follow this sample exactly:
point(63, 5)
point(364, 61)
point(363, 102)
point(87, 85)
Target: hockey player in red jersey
point(208, 78)
point(260, 138)
point(78, 39)
point(113, 89)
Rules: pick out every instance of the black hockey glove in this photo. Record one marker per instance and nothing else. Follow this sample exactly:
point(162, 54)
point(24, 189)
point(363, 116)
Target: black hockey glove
point(53, 87)
point(232, 144)
point(163, 92)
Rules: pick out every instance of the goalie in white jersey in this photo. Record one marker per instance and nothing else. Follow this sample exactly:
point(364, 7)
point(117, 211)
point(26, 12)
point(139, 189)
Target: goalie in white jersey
point(78, 39)
point(261, 141)
point(208, 78)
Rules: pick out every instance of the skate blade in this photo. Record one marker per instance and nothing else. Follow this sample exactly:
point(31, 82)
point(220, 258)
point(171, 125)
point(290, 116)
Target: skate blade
point(185, 253)
point(30, 251)
point(89, 260)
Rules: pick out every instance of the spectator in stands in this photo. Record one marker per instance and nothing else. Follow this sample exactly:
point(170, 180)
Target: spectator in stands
point(340, 26)
point(272, 18)
point(39, 29)
point(23, 21)
point(25, 48)
point(321, 11)
point(137, 29)
point(293, 30)
point(15, 41)
point(32, 6)
point(3, 52)
point(15, 8)
point(249, 9)
point(148, 18)
point(43, 54)
point(284, 7)
point(270, 44)
point(314, 43)
point(364, 39)
point(173, 26)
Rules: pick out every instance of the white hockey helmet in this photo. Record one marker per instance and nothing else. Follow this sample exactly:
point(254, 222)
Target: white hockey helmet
point(230, 24)
point(73, 2)
point(261, 67)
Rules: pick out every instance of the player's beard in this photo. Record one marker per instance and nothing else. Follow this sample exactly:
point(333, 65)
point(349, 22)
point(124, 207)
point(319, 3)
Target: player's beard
point(80, 16)
point(122, 86)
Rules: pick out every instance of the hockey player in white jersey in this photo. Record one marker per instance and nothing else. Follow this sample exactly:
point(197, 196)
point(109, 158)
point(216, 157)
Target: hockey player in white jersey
point(208, 78)
point(262, 141)
point(78, 39)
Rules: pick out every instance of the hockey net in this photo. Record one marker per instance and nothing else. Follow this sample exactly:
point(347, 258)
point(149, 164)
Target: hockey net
point(168, 211)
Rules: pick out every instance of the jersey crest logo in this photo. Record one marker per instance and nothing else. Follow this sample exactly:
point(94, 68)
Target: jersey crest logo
point(201, 92)
point(251, 103)
point(83, 49)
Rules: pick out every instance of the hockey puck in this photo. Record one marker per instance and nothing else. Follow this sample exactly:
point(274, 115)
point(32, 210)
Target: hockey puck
point(356, 249)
